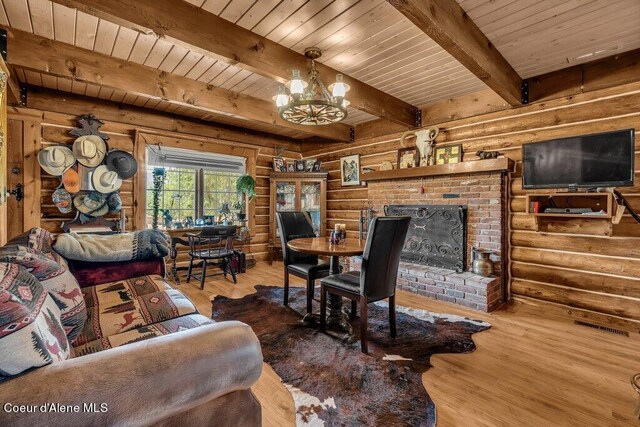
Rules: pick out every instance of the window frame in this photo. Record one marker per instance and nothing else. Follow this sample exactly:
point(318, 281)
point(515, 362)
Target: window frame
point(199, 191)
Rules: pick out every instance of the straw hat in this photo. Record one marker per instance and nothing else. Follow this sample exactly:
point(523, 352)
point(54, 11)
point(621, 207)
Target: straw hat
point(90, 150)
point(123, 163)
point(56, 160)
point(105, 180)
point(92, 204)
point(71, 181)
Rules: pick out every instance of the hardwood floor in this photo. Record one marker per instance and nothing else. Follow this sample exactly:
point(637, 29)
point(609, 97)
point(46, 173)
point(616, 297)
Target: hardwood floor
point(534, 367)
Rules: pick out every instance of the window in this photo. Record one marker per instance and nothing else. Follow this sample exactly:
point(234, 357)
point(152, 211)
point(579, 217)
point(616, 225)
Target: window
point(193, 187)
point(178, 195)
point(219, 188)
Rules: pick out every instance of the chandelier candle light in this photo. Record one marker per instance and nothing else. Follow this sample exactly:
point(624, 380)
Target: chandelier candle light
point(311, 103)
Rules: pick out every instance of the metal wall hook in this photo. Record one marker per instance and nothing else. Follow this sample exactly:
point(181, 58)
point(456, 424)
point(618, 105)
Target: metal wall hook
point(16, 192)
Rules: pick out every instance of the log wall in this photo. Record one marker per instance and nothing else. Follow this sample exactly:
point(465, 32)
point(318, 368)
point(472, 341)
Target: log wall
point(32, 129)
point(571, 262)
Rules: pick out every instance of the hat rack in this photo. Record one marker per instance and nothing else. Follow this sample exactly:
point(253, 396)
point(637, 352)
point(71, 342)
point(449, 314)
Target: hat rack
point(90, 177)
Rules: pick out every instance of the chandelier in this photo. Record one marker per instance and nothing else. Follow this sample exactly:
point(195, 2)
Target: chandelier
point(310, 103)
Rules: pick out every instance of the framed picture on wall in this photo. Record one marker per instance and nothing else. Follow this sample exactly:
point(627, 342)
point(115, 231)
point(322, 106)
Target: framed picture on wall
point(300, 165)
point(408, 157)
point(291, 167)
point(448, 155)
point(350, 170)
point(316, 166)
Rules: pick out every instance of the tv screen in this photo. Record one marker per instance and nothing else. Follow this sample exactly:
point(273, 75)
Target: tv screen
point(599, 160)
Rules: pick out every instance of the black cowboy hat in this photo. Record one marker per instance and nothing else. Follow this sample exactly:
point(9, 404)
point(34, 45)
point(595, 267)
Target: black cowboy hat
point(121, 162)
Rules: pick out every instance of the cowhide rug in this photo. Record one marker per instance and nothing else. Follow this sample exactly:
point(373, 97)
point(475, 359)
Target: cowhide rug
point(332, 382)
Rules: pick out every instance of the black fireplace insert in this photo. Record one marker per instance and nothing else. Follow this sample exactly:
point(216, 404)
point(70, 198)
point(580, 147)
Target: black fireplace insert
point(437, 234)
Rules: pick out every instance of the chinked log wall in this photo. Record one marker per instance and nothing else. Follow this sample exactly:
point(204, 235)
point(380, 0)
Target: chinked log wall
point(571, 263)
point(31, 129)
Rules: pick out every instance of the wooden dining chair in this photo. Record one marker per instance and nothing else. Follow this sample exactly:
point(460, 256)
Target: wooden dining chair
point(377, 278)
point(211, 244)
point(297, 225)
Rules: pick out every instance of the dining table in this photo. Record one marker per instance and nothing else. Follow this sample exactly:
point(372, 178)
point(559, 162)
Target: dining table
point(322, 246)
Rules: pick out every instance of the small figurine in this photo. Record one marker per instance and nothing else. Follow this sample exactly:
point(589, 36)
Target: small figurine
point(488, 154)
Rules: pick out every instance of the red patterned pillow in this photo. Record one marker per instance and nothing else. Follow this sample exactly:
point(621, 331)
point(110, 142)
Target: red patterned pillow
point(31, 334)
point(57, 280)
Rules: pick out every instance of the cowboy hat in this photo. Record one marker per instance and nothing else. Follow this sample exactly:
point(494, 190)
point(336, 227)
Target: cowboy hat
point(62, 199)
point(123, 163)
point(71, 181)
point(92, 204)
point(56, 160)
point(114, 202)
point(105, 181)
point(90, 150)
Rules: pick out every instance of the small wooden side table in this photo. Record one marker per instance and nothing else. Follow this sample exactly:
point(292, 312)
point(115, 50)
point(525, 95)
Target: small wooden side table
point(322, 246)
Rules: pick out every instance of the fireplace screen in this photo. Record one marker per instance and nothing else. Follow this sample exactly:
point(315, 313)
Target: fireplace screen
point(437, 234)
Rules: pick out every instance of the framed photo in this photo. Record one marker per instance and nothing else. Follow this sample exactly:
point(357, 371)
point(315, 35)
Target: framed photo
point(300, 166)
point(408, 157)
point(278, 165)
point(448, 155)
point(291, 167)
point(316, 166)
point(350, 170)
point(308, 165)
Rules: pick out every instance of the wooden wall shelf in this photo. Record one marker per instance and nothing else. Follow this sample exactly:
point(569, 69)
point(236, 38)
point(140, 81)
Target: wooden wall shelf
point(603, 206)
point(501, 164)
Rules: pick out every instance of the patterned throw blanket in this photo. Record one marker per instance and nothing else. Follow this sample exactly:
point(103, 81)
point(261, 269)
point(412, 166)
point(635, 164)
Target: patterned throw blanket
point(114, 247)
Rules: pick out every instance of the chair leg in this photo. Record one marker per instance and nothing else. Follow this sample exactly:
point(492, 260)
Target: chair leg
point(204, 273)
point(364, 318)
point(354, 310)
point(323, 308)
point(310, 290)
point(225, 267)
point(286, 286)
point(392, 315)
point(232, 271)
point(190, 269)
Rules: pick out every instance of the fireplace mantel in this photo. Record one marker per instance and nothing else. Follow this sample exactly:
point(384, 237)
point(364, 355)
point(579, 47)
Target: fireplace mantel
point(501, 164)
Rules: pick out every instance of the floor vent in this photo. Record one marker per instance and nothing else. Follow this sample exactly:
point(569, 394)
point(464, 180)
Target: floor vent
point(602, 328)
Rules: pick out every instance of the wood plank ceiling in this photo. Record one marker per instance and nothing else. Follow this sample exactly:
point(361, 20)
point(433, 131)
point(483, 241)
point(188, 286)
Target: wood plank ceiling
point(367, 39)
point(538, 37)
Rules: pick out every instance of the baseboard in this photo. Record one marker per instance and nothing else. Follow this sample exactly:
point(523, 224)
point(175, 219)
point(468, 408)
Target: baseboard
point(579, 314)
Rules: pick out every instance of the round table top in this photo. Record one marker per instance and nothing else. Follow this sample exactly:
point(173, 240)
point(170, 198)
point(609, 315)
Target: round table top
point(321, 246)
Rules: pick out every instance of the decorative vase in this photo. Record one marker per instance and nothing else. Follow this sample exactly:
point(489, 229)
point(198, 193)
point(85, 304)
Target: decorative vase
point(482, 264)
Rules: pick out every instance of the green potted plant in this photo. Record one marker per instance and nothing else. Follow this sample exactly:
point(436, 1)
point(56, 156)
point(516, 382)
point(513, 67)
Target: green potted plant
point(246, 187)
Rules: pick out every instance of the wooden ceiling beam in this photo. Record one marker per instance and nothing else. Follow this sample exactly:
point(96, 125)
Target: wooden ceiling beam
point(43, 55)
point(190, 25)
point(447, 24)
point(615, 70)
point(69, 103)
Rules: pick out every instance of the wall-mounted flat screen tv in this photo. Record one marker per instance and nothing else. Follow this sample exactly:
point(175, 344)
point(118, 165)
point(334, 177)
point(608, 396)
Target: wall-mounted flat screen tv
point(598, 160)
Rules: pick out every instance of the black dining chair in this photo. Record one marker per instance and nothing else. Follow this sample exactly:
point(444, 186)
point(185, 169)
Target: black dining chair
point(212, 244)
point(377, 278)
point(297, 225)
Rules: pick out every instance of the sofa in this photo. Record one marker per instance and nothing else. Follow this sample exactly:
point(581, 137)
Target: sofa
point(114, 344)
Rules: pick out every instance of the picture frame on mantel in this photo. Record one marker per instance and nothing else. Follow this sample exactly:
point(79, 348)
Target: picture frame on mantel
point(350, 170)
point(449, 154)
point(408, 158)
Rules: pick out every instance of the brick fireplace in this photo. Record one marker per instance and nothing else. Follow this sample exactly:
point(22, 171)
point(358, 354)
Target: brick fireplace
point(483, 195)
